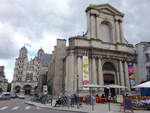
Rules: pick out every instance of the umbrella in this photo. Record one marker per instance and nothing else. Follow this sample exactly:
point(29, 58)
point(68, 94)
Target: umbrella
point(115, 86)
point(91, 86)
point(94, 86)
point(144, 85)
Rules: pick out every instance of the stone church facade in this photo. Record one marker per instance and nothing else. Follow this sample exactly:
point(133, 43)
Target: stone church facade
point(3, 80)
point(27, 73)
point(107, 52)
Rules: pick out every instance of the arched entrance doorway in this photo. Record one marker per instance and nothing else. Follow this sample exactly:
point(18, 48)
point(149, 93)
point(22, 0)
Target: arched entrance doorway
point(27, 89)
point(17, 89)
point(109, 77)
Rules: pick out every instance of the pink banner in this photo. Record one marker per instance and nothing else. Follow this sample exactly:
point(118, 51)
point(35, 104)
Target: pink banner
point(130, 69)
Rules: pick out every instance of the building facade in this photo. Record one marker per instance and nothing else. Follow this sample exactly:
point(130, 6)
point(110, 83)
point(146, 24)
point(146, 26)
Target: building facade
point(3, 80)
point(143, 61)
point(26, 73)
point(100, 56)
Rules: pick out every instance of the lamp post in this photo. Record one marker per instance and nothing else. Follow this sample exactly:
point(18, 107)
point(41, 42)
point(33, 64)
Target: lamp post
point(78, 91)
point(109, 99)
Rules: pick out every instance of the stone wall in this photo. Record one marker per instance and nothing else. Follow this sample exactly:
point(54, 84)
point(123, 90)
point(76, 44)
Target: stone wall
point(56, 67)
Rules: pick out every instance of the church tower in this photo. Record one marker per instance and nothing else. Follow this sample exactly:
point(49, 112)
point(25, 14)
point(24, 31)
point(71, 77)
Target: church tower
point(23, 52)
point(40, 53)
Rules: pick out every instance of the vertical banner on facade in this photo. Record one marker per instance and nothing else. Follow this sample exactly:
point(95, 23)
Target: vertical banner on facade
point(85, 68)
point(131, 72)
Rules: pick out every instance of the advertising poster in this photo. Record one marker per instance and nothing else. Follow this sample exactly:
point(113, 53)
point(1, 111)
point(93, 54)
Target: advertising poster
point(132, 75)
point(85, 71)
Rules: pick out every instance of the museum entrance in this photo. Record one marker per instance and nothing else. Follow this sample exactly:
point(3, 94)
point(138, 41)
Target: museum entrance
point(109, 77)
point(27, 89)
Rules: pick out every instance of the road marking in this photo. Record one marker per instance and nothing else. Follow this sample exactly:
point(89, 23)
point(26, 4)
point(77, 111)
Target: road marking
point(15, 108)
point(3, 108)
point(27, 107)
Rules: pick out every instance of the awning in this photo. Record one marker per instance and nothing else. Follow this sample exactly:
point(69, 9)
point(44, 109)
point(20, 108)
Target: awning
point(115, 86)
point(144, 85)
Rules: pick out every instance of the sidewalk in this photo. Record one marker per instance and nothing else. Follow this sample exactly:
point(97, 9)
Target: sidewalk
point(98, 108)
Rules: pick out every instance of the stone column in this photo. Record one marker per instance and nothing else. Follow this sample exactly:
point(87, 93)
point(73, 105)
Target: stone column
point(93, 26)
point(67, 75)
point(117, 31)
point(121, 73)
point(88, 25)
point(71, 75)
point(113, 35)
point(126, 75)
point(101, 79)
point(94, 77)
point(118, 77)
point(80, 71)
point(98, 27)
point(90, 70)
point(121, 32)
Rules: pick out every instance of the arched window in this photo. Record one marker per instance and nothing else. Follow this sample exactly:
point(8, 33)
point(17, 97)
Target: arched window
point(29, 76)
point(108, 66)
point(105, 31)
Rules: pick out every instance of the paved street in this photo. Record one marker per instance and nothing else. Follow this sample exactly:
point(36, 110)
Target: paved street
point(18, 106)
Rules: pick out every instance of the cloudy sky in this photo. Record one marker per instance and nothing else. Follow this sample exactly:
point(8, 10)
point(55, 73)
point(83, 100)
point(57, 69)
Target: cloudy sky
point(38, 23)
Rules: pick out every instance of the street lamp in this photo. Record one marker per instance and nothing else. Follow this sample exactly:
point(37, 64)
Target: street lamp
point(78, 91)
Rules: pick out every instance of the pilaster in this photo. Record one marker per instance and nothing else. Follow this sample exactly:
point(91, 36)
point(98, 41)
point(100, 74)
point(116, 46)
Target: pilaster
point(121, 32)
point(93, 26)
point(126, 75)
point(121, 73)
point(94, 77)
point(101, 79)
point(80, 71)
point(117, 31)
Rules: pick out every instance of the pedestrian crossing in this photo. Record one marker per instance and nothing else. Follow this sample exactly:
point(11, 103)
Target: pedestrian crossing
point(14, 108)
point(3, 108)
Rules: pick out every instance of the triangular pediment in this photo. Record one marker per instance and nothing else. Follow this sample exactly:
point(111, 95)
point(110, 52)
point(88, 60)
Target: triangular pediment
point(105, 8)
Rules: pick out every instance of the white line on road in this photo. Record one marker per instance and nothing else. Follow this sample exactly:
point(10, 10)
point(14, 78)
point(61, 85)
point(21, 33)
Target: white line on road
point(3, 108)
point(27, 107)
point(15, 108)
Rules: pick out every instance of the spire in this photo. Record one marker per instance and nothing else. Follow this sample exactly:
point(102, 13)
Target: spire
point(23, 52)
point(40, 53)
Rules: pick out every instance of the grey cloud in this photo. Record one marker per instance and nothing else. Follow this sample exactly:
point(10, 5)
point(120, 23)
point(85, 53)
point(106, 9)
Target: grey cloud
point(33, 18)
point(8, 48)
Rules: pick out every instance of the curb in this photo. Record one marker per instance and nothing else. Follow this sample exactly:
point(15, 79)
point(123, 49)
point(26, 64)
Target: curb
point(53, 108)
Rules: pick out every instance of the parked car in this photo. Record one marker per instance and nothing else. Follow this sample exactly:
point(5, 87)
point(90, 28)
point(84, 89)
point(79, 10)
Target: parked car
point(14, 95)
point(21, 96)
point(5, 96)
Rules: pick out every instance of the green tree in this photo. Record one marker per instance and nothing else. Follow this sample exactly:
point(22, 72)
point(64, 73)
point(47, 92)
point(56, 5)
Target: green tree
point(9, 87)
